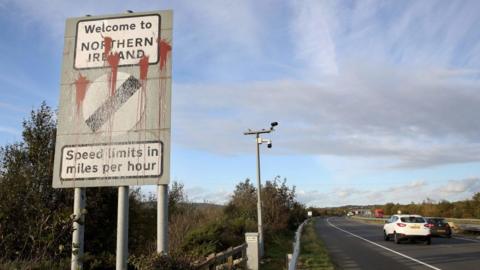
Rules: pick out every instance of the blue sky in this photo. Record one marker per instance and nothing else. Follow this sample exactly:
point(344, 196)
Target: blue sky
point(377, 100)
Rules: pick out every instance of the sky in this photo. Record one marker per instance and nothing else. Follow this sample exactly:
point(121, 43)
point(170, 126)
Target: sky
point(377, 101)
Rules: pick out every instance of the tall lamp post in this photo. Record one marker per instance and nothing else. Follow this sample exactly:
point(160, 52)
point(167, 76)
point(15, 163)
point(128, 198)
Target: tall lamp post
point(259, 191)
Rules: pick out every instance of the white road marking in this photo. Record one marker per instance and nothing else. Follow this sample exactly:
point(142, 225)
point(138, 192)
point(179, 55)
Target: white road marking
point(466, 239)
point(378, 245)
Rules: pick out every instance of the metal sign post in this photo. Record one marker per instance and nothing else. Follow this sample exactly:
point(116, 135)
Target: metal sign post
point(162, 219)
point(78, 228)
point(114, 116)
point(122, 229)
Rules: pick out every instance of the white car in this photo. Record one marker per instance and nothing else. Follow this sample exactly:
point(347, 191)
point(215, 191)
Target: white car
point(412, 227)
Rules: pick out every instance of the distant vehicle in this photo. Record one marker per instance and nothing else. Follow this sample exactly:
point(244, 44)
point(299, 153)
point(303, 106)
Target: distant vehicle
point(378, 213)
point(349, 214)
point(439, 227)
point(407, 227)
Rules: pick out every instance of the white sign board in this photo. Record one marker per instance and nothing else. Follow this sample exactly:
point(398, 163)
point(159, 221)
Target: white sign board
point(83, 162)
point(114, 117)
point(309, 213)
point(131, 37)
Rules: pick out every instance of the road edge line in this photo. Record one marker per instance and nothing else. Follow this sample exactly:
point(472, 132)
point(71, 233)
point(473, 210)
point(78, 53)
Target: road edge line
point(378, 245)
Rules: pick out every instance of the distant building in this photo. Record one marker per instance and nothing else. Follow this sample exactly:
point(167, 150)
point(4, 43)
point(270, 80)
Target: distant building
point(361, 212)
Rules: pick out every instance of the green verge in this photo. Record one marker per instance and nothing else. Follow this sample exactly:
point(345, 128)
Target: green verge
point(313, 253)
point(276, 249)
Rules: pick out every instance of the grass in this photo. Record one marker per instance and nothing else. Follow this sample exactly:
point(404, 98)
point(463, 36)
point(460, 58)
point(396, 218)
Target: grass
point(276, 250)
point(313, 254)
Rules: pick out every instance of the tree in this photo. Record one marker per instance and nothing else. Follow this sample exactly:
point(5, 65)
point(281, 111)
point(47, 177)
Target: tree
point(34, 220)
point(476, 204)
point(243, 202)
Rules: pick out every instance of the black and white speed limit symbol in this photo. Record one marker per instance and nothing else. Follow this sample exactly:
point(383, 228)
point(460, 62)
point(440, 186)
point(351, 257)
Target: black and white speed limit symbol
point(117, 113)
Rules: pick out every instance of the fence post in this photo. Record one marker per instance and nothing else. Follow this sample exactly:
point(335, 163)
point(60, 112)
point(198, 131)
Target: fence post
point(244, 256)
point(230, 259)
point(214, 262)
point(289, 258)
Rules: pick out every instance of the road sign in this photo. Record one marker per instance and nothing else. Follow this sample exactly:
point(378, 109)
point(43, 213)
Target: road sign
point(132, 38)
point(114, 113)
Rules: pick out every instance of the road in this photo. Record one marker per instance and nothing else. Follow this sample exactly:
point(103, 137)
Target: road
point(356, 245)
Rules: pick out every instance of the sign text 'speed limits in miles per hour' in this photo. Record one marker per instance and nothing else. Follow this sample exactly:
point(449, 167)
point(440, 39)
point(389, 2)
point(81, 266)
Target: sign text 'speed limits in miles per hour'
point(111, 161)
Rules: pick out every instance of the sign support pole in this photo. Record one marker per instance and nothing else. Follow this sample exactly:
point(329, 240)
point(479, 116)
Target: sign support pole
point(122, 229)
point(162, 219)
point(78, 229)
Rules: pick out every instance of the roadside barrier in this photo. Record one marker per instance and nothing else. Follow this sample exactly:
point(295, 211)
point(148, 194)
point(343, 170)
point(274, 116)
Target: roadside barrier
point(227, 259)
point(292, 264)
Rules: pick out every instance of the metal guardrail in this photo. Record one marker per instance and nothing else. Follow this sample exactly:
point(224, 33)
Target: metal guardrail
point(469, 228)
point(379, 220)
point(292, 265)
point(465, 221)
point(227, 259)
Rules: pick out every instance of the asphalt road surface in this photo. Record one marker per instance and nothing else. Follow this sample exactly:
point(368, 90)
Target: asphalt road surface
point(356, 245)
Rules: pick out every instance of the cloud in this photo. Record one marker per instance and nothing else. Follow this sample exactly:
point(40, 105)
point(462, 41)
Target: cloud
point(416, 117)
point(200, 194)
point(310, 197)
point(453, 187)
point(410, 192)
point(314, 44)
point(415, 191)
point(344, 193)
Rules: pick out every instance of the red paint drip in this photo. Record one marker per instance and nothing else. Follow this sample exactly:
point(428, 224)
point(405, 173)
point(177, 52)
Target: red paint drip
point(141, 114)
point(81, 85)
point(107, 45)
point(113, 59)
point(143, 63)
point(163, 49)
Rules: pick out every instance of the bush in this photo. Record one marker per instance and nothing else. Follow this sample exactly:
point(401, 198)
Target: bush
point(156, 261)
point(204, 240)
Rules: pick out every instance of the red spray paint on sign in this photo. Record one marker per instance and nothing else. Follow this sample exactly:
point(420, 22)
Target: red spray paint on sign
point(141, 113)
point(163, 49)
point(143, 63)
point(107, 45)
point(112, 59)
point(81, 85)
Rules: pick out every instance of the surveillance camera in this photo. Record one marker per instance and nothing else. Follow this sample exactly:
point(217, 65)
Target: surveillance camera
point(274, 124)
point(269, 145)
